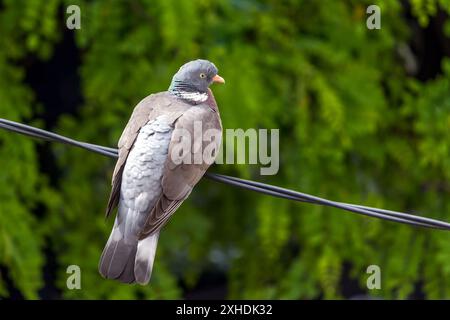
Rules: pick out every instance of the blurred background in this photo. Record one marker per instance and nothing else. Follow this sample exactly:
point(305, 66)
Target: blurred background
point(364, 117)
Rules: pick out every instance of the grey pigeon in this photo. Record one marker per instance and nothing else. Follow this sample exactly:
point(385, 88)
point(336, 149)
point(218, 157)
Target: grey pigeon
point(148, 183)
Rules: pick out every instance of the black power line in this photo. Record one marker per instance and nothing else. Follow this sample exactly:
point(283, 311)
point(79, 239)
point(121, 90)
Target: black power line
point(267, 189)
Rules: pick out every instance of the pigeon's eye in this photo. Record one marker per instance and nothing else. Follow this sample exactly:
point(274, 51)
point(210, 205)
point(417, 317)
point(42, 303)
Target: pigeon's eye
point(202, 75)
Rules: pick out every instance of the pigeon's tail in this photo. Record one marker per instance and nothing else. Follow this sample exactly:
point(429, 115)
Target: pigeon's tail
point(117, 260)
point(145, 256)
point(128, 262)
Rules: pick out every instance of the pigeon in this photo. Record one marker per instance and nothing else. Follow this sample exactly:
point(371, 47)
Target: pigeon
point(162, 156)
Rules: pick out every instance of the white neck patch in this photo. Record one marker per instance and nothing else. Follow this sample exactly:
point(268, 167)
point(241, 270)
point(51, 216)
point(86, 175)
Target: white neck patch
point(192, 96)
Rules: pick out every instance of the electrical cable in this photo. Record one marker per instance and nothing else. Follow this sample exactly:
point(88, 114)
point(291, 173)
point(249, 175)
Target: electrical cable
point(267, 189)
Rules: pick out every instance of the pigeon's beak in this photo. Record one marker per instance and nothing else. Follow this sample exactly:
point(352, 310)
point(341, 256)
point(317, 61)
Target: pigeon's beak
point(218, 79)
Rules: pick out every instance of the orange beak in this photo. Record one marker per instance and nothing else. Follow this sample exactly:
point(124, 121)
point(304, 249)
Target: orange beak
point(218, 79)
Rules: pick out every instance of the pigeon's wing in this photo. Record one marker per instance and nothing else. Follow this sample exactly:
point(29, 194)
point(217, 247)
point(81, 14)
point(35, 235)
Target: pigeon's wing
point(179, 178)
point(140, 116)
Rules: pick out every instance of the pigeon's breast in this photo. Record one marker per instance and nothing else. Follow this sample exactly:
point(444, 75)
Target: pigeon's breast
point(141, 178)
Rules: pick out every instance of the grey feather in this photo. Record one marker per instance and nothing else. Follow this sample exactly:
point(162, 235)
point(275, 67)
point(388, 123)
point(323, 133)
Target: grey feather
point(127, 275)
point(145, 257)
point(116, 254)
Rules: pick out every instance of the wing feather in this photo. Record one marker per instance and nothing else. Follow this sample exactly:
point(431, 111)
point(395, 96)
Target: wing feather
point(179, 179)
point(142, 113)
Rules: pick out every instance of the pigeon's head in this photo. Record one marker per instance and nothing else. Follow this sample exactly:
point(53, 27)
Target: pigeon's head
point(195, 76)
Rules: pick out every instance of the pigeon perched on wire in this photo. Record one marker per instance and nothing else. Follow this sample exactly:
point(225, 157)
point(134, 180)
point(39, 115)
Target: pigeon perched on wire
point(154, 174)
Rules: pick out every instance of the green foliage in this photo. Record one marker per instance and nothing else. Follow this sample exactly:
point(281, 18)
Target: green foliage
point(353, 127)
point(423, 9)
